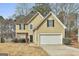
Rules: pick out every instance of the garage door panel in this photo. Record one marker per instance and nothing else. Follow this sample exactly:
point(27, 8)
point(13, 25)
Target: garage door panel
point(50, 39)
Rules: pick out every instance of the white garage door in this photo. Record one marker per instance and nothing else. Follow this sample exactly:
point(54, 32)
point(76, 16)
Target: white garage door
point(50, 39)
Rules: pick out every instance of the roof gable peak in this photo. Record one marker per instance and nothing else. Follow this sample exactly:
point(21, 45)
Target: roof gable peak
point(51, 13)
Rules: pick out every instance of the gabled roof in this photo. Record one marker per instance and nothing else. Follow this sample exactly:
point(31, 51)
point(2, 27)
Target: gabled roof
point(27, 19)
point(37, 13)
point(51, 13)
point(24, 19)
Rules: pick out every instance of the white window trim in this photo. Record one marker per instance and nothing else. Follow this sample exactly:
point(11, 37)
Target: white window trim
point(49, 23)
point(32, 26)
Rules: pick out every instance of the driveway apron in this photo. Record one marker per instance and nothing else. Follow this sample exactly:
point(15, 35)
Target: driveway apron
point(60, 50)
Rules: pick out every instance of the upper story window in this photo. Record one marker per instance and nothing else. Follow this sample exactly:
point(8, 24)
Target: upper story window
point(21, 26)
point(24, 27)
point(31, 26)
point(50, 23)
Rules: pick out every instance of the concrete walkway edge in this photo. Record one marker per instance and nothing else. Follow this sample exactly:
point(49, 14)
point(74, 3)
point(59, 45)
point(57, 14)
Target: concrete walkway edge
point(76, 49)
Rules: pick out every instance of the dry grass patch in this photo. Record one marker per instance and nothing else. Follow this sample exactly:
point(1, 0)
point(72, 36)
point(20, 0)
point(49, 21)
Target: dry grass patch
point(21, 49)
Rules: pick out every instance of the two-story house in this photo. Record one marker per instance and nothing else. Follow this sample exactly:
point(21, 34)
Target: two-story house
point(39, 29)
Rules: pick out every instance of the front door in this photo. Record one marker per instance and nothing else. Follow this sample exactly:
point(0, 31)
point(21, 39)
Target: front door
point(31, 38)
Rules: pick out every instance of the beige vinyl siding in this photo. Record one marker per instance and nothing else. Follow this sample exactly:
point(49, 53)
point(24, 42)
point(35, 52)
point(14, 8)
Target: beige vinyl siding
point(35, 22)
point(58, 28)
point(21, 31)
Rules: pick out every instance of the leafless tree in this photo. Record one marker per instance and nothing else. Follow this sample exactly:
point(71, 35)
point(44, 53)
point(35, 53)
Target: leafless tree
point(22, 9)
point(68, 12)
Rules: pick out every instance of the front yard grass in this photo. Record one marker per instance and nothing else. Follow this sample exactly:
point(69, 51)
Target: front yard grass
point(21, 49)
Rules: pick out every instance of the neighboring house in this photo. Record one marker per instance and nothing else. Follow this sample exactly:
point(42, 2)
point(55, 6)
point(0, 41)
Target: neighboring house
point(41, 30)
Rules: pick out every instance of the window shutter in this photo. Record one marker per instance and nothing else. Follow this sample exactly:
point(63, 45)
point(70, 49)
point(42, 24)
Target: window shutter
point(24, 26)
point(47, 23)
point(53, 23)
point(20, 26)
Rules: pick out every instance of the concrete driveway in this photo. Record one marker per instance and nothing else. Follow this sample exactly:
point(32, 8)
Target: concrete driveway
point(60, 50)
